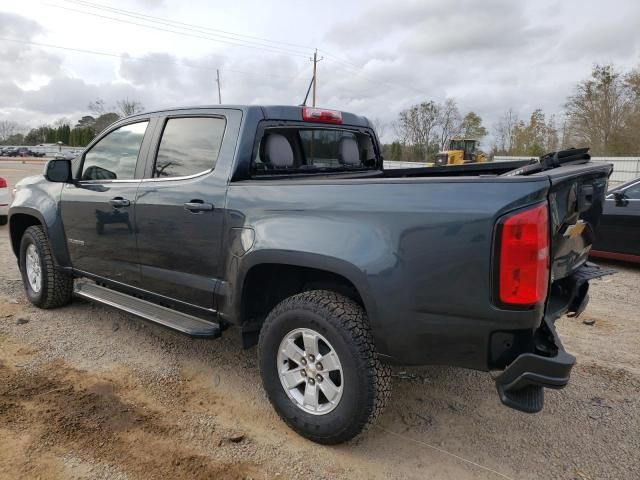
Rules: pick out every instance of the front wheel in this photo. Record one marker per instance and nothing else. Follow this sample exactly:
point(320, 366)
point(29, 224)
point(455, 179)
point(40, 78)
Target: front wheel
point(45, 286)
point(320, 368)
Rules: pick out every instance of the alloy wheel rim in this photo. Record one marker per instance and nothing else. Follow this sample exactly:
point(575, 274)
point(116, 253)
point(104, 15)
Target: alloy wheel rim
point(34, 268)
point(310, 371)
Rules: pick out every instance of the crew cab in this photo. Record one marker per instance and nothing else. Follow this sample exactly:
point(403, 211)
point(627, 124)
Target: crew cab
point(282, 221)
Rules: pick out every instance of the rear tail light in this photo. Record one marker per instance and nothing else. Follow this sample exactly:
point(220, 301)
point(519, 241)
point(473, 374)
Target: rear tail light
point(3, 183)
point(523, 256)
point(321, 115)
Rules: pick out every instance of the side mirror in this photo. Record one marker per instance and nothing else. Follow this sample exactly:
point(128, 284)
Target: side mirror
point(58, 170)
point(619, 197)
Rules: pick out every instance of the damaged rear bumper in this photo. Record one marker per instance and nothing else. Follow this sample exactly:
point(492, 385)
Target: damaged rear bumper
point(521, 385)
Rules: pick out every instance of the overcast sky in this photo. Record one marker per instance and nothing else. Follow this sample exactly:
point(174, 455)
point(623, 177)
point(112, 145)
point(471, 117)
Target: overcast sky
point(379, 56)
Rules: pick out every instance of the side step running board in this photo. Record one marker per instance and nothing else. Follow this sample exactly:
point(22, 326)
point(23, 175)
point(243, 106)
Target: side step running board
point(179, 321)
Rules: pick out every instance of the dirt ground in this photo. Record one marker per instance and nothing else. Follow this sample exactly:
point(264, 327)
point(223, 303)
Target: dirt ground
point(87, 392)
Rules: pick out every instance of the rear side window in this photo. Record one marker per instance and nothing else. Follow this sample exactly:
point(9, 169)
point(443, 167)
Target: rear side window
point(189, 146)
point(633, 192)
point(115, 156)
point(308, 150)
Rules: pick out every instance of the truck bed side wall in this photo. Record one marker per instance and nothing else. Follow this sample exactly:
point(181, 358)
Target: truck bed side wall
point(419, 254)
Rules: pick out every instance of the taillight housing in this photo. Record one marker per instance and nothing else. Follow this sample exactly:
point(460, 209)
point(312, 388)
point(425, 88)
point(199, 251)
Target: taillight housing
point(321, 115)
point(523, 257)
point(3, 183)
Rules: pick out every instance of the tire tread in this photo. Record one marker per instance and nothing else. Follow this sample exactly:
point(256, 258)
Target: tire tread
point(58, 286)
point(353, 319)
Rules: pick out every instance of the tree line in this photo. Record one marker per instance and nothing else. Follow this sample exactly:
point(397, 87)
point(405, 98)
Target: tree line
point(601, 112)
point(83, 131)
point(426, 128)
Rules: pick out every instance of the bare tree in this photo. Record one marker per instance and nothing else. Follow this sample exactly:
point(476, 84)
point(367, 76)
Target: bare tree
point(99, 107)
point(379, 126)
point(416, 125)
point(597, 110)
point(9, 128)
point(503, 131)
point(62, 121)
point(129, 107)
point(631, 137)
point(448, 122)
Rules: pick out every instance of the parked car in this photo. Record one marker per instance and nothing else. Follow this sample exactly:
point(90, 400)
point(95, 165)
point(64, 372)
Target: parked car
point(283, 221)
point(619, 231)
point(24, 152)
point(6, 151)
point(65, 155)
point(5, 200)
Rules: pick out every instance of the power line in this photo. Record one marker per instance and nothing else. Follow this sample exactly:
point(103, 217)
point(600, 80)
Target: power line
point(176, 22)
point(198, 28)
point(128, 57)
point(360, 71)
point(254, 45)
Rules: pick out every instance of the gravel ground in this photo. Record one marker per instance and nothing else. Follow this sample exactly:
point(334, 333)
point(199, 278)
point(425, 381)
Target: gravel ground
point(88, 392)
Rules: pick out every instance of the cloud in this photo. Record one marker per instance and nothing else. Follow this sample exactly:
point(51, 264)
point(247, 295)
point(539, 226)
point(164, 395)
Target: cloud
point(19, 61)
point(18, 26)
point(379, 58)
point(154, 4)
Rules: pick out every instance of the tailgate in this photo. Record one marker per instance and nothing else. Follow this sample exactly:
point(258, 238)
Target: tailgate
point(576, 198)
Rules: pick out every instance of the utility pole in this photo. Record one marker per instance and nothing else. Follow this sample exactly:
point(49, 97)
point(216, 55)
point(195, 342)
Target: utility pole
point(315, 61)
point(218, 82)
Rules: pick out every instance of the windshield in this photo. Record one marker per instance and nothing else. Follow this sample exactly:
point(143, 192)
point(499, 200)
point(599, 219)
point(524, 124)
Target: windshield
point(456, 145)
point(308, 150)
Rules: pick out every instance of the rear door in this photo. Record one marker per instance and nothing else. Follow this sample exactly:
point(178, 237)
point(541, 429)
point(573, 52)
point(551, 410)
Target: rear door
point(180, 208)
point(98, 208)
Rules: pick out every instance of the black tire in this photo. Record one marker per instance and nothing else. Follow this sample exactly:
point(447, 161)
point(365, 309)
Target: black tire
point(57, 286)
point(3, 219)
point(367, 381)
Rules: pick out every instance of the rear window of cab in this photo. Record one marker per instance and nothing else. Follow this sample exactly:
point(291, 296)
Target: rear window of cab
point(313, 149)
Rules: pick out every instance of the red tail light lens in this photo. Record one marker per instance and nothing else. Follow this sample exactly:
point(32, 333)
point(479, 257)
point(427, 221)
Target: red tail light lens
point(523, 256)
point(321, 115)
point(3, 183)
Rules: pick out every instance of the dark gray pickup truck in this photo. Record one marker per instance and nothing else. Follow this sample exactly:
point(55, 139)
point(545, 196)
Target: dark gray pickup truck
point(283, 222)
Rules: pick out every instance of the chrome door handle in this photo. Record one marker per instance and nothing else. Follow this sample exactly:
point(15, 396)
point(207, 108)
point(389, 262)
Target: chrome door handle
point(198, 206)
point(119, 202)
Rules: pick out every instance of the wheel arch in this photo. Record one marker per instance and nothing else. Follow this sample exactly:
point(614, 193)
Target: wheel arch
point(22, 218)
point(18, 223)
point(267, 277)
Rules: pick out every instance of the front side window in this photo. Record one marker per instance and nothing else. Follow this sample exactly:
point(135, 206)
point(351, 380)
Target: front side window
point(189, 146)
point(115, 156)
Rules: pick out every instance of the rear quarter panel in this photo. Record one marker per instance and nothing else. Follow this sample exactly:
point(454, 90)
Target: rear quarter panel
point(419, 253)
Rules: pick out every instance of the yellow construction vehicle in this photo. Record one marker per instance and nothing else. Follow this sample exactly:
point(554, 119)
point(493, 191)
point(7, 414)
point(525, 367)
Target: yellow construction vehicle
point(460, 151)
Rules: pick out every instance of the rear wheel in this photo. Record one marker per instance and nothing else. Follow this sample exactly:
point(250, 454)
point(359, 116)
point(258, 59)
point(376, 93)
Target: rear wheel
point(320, 368)
point(3, 219)
point(45, 286)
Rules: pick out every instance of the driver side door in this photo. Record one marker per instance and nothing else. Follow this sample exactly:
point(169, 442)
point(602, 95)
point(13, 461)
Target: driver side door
point(97, 209)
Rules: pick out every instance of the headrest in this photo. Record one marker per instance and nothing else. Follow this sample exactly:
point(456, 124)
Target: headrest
point(348, 152)
point(278, 152)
